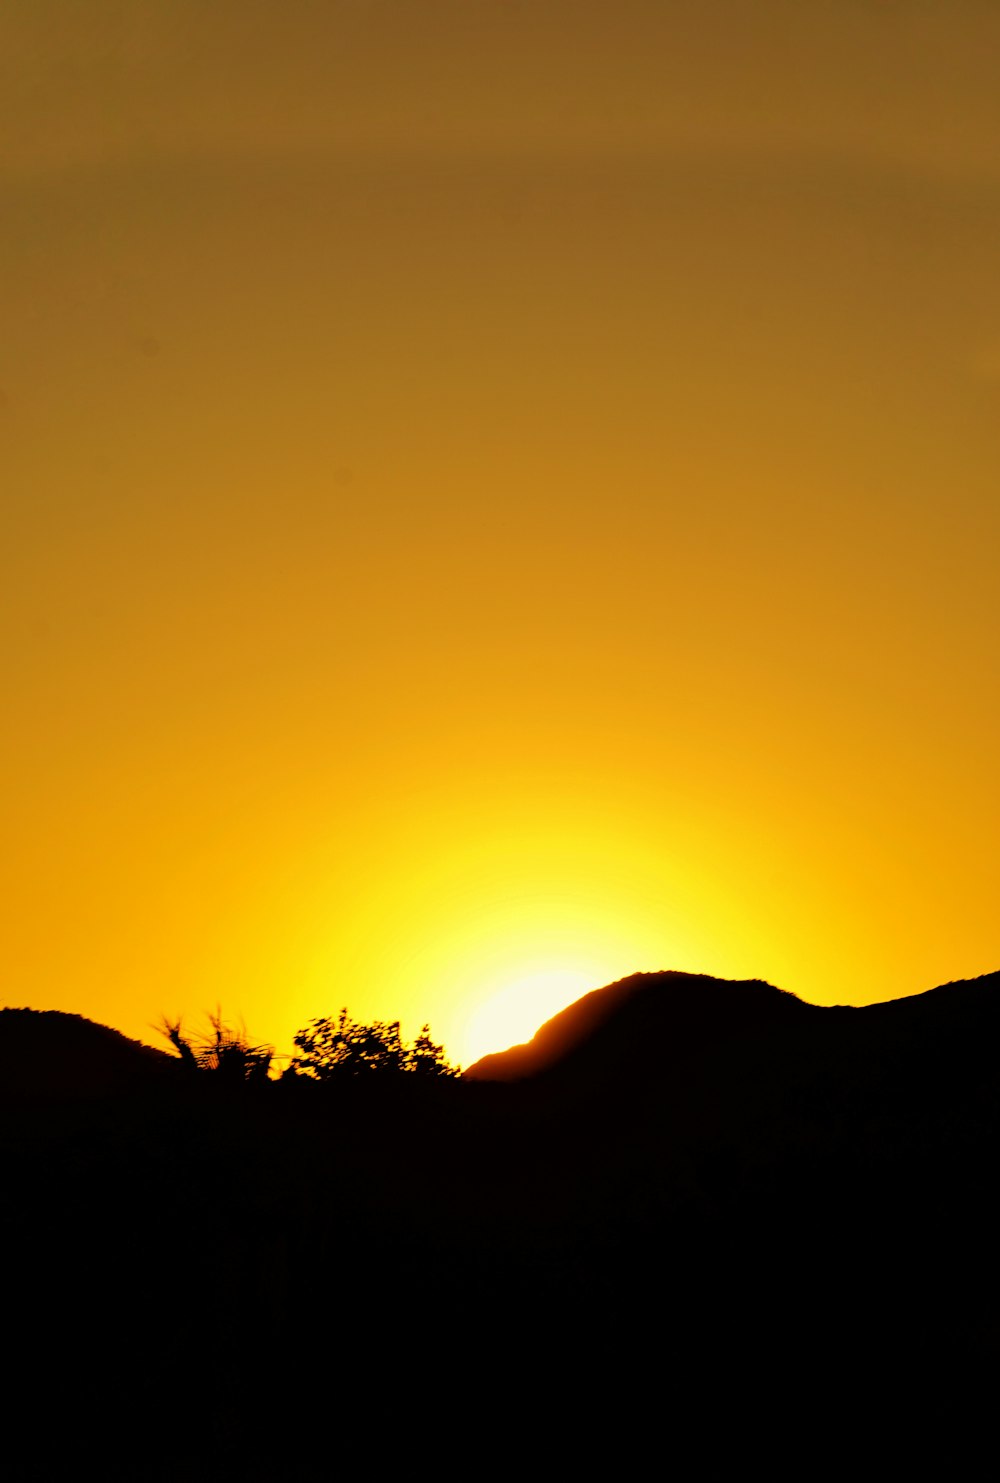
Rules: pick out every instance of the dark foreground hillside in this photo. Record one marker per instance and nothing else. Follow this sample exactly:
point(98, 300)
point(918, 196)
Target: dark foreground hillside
point(722, 1230)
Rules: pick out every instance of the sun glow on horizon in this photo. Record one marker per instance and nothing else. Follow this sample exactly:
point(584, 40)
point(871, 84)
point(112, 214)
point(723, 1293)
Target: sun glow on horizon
point(512, 1014)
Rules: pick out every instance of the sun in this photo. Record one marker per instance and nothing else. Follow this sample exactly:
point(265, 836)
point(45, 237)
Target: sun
point(485, 913)
point(511, 1013)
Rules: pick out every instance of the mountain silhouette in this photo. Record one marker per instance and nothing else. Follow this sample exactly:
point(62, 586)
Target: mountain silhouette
point(46, 1053)
point(642, 1023)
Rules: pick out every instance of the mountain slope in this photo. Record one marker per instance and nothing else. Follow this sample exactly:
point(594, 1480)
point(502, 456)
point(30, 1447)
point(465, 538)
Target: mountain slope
point(641, 1025)
point(48, 1053)
point(644, 1022)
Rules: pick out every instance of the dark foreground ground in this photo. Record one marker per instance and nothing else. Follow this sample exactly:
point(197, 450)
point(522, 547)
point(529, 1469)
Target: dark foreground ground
point(773, 1249)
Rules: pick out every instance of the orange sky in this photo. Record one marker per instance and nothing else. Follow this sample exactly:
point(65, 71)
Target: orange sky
point(496, 496)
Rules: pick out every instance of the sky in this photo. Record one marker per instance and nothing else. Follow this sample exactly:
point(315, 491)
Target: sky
point(494, 497)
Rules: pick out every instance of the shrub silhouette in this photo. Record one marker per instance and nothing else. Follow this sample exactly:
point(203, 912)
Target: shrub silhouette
point(425, 1058)
point(224, 1050)
point(336, 1047)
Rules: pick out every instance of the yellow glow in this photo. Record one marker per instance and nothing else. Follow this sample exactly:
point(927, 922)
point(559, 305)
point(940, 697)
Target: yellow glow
point(514, 1013)
point(488, 933)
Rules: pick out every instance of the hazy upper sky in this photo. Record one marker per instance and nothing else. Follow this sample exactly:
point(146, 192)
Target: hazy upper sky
point(496, 496)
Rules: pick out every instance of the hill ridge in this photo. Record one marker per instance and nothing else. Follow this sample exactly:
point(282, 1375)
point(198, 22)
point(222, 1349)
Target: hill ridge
point(624, 1020)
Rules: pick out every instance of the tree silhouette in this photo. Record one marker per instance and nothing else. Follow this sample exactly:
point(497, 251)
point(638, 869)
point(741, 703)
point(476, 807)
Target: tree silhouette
point(425, 1058)
point(335, 1047)
point(224, 1049)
